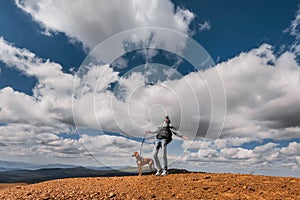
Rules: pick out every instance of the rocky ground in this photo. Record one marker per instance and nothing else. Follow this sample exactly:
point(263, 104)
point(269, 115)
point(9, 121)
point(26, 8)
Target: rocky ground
point(174, 186)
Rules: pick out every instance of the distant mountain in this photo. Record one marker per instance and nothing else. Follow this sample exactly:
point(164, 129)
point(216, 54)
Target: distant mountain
point(34, 176)
point(12, 172)
point(106, 167)
point(8, 166)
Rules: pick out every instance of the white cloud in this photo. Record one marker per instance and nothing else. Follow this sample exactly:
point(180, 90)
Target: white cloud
point(257, 93)
point(101, 20)
point(205, 26)
point(24, 139)
point(294, 27)
point(111, 150)
point(20, 108)
point(292, 149)
point(219, 143)
point(260, 88)
point(297, 159)
point(28, 142)
point(237, 153)
point(260, 157)
point(120, 63)
point(294, 30)
point(51, 100)
point(265, 148)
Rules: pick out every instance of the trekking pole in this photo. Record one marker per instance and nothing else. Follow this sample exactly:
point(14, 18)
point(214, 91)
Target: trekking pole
point(142, 144)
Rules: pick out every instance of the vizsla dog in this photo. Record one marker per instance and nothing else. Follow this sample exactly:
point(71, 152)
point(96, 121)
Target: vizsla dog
point(140, 161)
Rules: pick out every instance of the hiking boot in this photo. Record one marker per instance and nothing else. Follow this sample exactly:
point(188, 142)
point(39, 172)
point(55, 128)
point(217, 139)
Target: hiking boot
point(164, 173)
point(158, 172)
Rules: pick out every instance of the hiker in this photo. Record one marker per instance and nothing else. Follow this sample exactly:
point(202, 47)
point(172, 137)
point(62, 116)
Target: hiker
point(164, 137)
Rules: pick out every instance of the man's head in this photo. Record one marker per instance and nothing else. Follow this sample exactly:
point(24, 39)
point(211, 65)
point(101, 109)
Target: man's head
point(167, 120)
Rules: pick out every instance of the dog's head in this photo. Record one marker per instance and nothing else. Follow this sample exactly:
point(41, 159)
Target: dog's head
point(135, 154)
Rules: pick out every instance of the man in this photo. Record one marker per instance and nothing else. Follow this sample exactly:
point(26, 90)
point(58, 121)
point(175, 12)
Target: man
point(163, 138)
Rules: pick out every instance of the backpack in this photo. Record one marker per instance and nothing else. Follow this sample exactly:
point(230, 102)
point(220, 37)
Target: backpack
point(165, 133)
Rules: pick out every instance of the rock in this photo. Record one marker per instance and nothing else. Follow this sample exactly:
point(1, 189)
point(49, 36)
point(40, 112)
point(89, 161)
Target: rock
point(45, 197)
point(111, 195)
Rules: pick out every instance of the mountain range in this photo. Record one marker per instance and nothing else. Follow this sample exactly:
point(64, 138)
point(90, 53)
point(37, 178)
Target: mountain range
point(19, 172)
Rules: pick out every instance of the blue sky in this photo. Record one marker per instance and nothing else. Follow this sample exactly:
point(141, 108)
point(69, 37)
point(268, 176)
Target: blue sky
point(62, 102)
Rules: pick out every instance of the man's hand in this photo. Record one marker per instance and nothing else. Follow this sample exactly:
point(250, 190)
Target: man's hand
point(185, 137)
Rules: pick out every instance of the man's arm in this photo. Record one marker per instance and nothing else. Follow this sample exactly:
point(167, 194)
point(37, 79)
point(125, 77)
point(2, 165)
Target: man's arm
point(154, 132)
point(151, 132)
point(177, 133)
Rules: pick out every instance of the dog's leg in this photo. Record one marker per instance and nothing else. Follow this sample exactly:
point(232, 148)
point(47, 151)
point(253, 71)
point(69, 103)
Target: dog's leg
point(151, 165)
point(140, 170)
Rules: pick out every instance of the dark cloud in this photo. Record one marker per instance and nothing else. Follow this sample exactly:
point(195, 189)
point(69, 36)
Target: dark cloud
point(202, 129)
point(2, 144)
point(277, 117)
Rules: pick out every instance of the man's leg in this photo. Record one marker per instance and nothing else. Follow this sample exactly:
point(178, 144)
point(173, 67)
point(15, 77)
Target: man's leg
point(165, 158)
point(155, 155)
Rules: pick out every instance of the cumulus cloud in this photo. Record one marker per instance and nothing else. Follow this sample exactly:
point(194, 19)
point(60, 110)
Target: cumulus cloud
point(112, 150)
point(259, 157)
point(259, 87)
point(29, 142)
point(24, 139)
point(89, 27)
point(51, 100)
point(262, 88)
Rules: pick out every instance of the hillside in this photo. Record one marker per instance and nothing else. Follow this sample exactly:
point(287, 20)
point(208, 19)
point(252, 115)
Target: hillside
point(39, 175)
point(173, 186)
point(34, 176)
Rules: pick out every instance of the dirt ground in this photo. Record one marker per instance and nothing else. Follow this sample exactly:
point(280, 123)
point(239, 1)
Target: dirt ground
point(174, 186)
point(11, 185)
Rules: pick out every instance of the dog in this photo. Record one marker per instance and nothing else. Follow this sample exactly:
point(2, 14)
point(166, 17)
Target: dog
point(140, 161)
